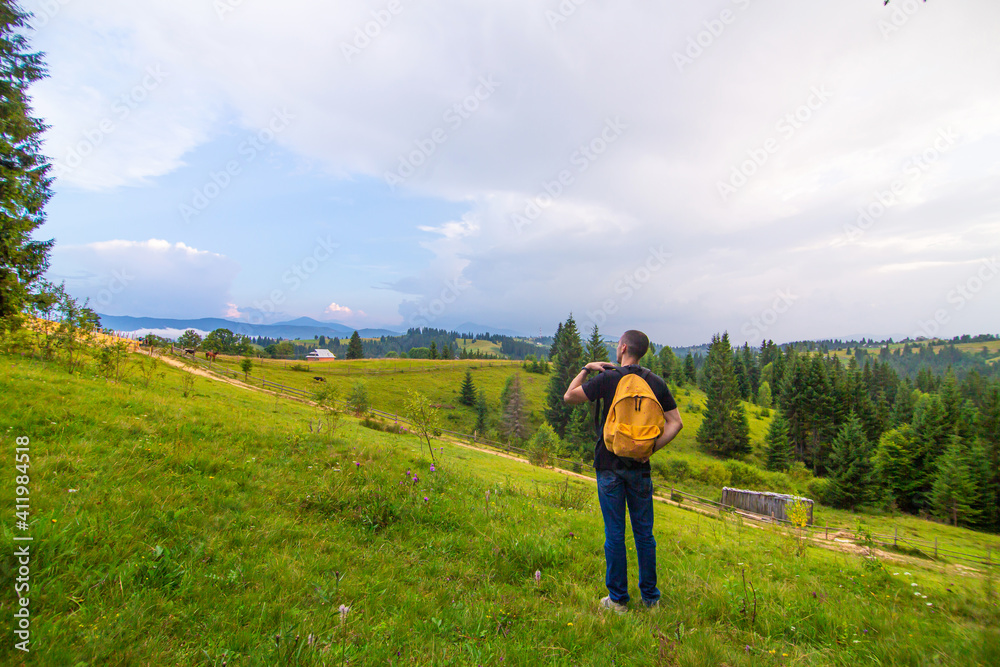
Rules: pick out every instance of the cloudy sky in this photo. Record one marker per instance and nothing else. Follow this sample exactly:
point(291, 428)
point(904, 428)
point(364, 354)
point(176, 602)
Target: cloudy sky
point(778, 170)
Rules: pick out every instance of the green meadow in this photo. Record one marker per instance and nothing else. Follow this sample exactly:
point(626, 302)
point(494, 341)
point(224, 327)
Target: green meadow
point(208, 524)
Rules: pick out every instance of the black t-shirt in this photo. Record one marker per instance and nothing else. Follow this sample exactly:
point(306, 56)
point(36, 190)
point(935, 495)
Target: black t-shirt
point(603, 386)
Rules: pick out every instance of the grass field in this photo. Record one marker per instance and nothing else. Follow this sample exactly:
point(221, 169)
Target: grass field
point(216, 529)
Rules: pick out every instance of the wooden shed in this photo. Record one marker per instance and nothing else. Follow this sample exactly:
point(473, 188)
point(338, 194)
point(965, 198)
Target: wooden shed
point(762, 502)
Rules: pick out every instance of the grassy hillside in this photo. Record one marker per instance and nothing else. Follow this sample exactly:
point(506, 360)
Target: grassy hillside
point(217, 529)
point(388, 381)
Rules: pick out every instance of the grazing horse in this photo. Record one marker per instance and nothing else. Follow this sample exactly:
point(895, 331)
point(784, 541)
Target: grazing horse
point(211, 355)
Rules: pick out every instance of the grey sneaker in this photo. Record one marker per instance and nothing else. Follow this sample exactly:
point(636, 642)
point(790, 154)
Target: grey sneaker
point(651, 605)
point(608, 603)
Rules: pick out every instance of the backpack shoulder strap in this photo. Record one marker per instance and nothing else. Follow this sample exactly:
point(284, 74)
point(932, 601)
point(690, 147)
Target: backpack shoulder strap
point(598, 408)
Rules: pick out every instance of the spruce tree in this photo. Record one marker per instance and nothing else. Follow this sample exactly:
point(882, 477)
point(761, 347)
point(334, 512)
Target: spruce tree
point(567, 360)
point(690, 372)
point(894, 466)
point(514, 422)
point(434, 350)
point(779, 451)
point(853, 481)
point(764, 399)
point(482, 413)
point(24, 170)
point(354, 349)
point(669, 365)
point(467, 395)
point(954, 491)
point(724, 429)
point(596, 349)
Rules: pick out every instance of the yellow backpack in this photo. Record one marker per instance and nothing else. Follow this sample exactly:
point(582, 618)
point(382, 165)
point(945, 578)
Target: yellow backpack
point(635, 419)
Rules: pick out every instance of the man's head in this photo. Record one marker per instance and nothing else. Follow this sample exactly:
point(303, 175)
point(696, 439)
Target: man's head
point(632, 346)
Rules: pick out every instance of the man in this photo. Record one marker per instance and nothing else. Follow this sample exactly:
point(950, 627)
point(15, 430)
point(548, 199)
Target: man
point(625, 482)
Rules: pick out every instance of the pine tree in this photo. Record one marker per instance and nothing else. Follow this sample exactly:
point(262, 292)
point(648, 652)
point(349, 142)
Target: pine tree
point(434, 350)
point(894, 466)
point(24, 170)
point(354, 349)
point(853, 481)
point(596, 349)
point(482, 413)
point(724, 429)
point(764, 399)
point(690, 372)
point(567, 359)
point(779, 451)
point(954, 488)
point(669, 365)
point(514, 423)
point(467, 395)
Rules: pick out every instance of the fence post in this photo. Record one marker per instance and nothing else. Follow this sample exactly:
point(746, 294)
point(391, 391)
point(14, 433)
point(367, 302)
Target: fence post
point(895, 534)
point(827, 532)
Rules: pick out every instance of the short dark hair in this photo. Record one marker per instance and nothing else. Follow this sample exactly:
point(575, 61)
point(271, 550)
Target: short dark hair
point(636, 342)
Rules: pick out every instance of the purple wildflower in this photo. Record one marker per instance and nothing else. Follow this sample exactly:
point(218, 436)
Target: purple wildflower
point(432, 467)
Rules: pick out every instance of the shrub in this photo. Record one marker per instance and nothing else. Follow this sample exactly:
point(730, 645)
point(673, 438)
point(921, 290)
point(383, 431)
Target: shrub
point(542, 445)
point(357, 400)
point(712, 473)
point(818, 489)
point(673, 469)
point(745, 476)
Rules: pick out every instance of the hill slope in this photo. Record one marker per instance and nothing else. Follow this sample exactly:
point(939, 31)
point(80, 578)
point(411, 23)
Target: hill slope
point(221, 528)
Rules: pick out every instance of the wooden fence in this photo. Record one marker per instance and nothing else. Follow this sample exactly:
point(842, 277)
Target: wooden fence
point(764, 503)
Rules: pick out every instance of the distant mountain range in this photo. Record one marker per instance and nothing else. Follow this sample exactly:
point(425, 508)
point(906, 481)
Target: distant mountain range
point(301, 328)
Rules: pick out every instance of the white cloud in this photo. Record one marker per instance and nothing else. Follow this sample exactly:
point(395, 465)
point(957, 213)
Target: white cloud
point(153, 278)
point(591, 121)
point(336, 310)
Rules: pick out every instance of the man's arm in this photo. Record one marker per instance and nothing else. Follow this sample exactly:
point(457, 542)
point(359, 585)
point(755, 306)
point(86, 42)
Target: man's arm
point(670, 430)
point(575, 394)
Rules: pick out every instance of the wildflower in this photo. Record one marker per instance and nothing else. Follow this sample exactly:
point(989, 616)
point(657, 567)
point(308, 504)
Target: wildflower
point(570, 623)
point(907, 573)
point(930, 604)
point(432, 467)
point(415, 479)
point(425, 499)
point(914, 583)
point(344, 609)
point(538, 576)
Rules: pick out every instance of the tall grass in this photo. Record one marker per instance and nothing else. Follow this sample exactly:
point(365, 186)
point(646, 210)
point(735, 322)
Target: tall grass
point(215, 529)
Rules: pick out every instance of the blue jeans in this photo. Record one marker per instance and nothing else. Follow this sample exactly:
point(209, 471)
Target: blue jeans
point(634, 488)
